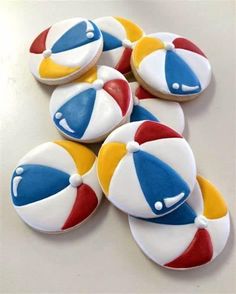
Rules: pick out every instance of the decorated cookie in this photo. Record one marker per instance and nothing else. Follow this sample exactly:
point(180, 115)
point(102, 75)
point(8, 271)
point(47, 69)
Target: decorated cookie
point(192, 235)
point(119, 35)
point(65, 50)
point(92, 106)
point(170, 66)
point(148, 107)
point(54, 187)
point(146, 169)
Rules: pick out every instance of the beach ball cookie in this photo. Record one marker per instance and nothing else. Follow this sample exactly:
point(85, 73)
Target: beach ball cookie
point(119, 36)
point(191, 236)
point(148, 107)
point(146, 169)
point(92, 106)
point(65, 50)
point(54, 187)
point(170, 66)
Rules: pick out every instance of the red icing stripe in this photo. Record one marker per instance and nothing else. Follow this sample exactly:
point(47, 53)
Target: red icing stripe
point(85, 203)
point(123, 65)
point(149, 131)
point(199, 252)
point(120, 91)
point(39, 44)
point(141, 93)
point(182, 43)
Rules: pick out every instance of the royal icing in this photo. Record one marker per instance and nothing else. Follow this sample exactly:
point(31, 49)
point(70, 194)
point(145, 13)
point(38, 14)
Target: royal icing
point(93, 105)
point(54, 187)
point(146, 169)
point(65, 50)
point(191, 236)
point(119, 36)
point(171, 65)
point(148, 107)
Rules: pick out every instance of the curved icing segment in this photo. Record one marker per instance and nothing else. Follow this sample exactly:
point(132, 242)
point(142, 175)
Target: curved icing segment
point(75, 113)
point(182, 80)
point(214, 204)
point(140, 113)
point(110, 42)
point(133, 31)
point(120, 91)
point(85, 203)
point(39, 44)
point(50, 69)
point(123, 65)
point(109, 157)
point(144, 47)
point(76, 36)
point(159, 182)
point(141, 93)
point(37, 182)
point(199, 252)
point(183, 43)
point(88, 77)
point(82, 156)
point(149, 131)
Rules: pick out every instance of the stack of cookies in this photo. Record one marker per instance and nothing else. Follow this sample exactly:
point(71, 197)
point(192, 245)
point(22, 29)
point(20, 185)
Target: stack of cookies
point(144, 167)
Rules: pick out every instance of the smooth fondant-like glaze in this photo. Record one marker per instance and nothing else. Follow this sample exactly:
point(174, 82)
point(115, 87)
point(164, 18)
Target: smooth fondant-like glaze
point(65, 51)
point(146, 169)
point(92, 106)
point(54, 187)
point(149, 107)
point(119, 36)
point(191, 236)
point(171, 66)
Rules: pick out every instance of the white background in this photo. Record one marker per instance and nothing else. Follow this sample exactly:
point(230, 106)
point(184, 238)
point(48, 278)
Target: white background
point(101, 257)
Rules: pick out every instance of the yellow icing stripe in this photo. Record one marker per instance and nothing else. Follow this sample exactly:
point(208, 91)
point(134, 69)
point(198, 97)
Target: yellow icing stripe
point(144, 47)
point(88, 77)
point(133, 31)
point(82, 156)
point(214, 204)
point(108, 158)
point(49, 69)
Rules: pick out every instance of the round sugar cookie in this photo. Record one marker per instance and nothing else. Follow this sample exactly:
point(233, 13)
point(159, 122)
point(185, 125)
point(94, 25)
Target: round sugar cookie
point(65, 51)
point(146, 169)
point(55, 188)
point(191, 236)
point(170, 66)
point(92, 106)
point(119, 36)
point(149, 107)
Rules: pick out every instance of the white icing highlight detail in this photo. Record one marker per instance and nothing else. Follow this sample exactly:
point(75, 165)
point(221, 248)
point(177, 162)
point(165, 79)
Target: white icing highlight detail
point(15, 185)
point(47, 53)
point(201, 222)
point(170, 201)
point(98, 84)
point(127, 43)
point(136, 101)
point(75, 180)
point(188, 88)
point(65, 125)
point(158, 205)
point(19, 170)
point(58, 115)
point(175, 86)
point(90, 35)
point(132, 147)
point(169, 46)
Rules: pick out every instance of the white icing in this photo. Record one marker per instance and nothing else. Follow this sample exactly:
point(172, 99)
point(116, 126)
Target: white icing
point(47, 53)
point(136, 101)
point(90, 35)
point(107, 73)
point(132, 147)
point(15, 184)
point(19, 170)
point(169, 46)
point(175, 86)
point(111, 57)
point(98, 84)
point(65, 125)
point(170, 201)
point(75, 180)
point(164, 36)
point(195, 200)
point(127, 43)
point(186, 88)
point(58, 115)
point(201, 222)
point(158, 205)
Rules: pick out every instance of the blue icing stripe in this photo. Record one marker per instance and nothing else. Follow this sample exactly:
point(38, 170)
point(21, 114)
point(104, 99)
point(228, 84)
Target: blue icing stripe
point(140, 113)
point(159, 182)
point(75, 37)
point(183, 215)
point(181, 79)
point(110, 42)
point(75, 114)
point(37, 182)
